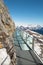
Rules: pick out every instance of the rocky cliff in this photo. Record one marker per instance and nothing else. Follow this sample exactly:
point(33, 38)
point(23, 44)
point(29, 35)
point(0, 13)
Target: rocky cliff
point(7, 27)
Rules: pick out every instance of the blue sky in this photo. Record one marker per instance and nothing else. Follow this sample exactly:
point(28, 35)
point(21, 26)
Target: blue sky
point(25, 12)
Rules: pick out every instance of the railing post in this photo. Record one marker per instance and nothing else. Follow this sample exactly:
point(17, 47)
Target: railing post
point(33, 44)
point(26, 37)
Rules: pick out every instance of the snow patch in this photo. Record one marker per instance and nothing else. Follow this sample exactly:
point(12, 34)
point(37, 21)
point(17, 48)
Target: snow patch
point(3, 55)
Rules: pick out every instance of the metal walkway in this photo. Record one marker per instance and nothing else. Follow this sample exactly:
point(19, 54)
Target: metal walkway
point(25, 55)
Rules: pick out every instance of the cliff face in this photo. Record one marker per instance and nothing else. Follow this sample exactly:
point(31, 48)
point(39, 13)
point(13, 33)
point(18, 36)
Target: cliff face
point(6, 19)
point(7, 27)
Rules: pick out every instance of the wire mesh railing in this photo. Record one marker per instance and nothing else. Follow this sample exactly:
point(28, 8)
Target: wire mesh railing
point(35, 43)
point(28, 40)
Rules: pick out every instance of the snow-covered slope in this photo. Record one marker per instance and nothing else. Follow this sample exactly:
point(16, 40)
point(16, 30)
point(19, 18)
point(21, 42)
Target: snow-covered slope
point(36, 28)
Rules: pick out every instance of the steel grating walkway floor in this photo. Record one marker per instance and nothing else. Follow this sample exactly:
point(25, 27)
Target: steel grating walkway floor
point(25, 55)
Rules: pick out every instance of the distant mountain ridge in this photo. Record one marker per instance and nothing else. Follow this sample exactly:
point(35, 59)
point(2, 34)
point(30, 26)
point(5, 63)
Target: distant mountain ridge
point(36, 28)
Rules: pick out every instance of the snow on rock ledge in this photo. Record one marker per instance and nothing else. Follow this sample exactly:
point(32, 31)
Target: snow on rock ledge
point(3, 55)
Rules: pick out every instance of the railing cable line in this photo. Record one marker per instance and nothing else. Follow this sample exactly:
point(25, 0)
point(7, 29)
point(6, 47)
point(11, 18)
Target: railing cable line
point(4, 60)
